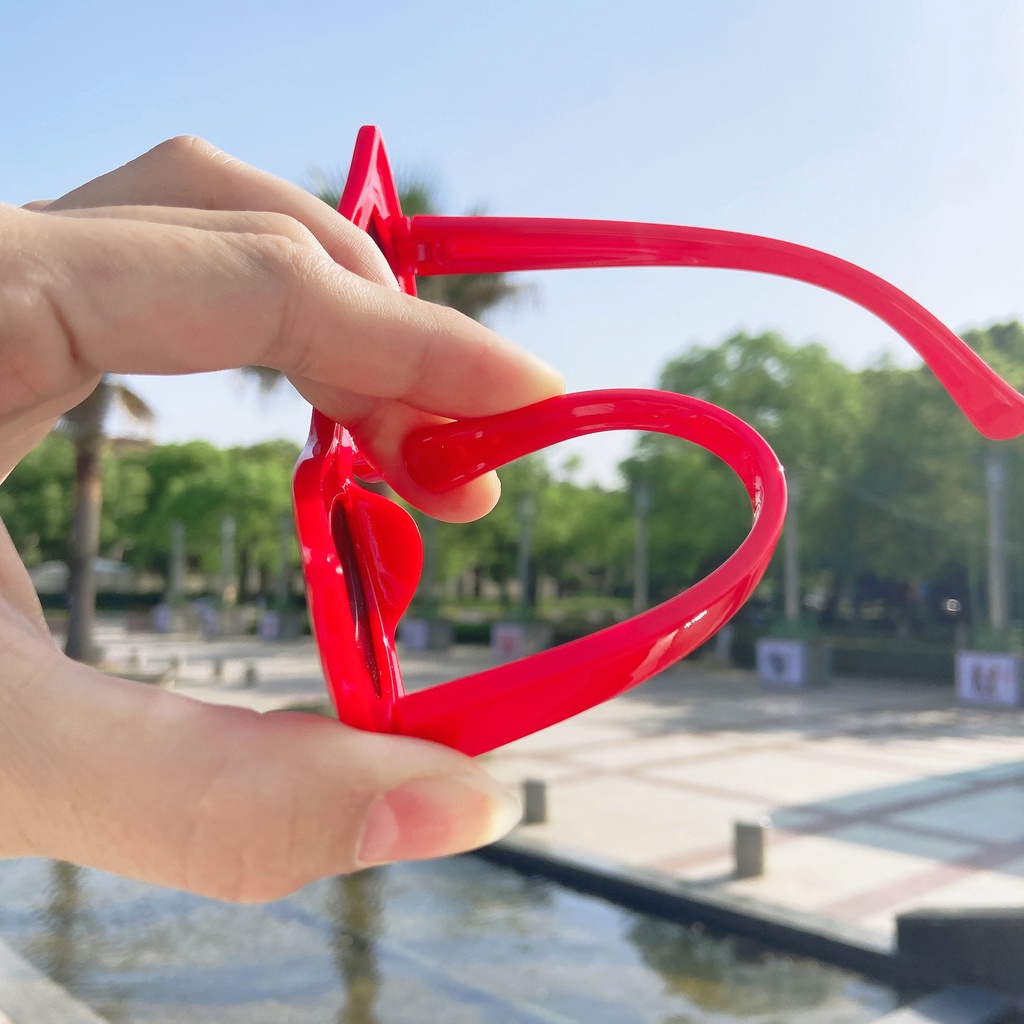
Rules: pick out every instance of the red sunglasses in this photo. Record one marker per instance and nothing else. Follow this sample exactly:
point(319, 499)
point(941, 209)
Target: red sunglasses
point(362, 553)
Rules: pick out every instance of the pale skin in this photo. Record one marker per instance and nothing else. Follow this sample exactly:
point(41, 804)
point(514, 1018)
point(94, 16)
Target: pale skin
point(186, 260)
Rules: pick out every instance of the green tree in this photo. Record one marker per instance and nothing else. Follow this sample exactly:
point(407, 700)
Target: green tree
point(920, 493)
point(808, 406)
point(199, 486)
point(36, 500)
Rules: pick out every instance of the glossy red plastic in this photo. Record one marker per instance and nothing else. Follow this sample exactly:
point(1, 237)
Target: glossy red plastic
point(362, 554)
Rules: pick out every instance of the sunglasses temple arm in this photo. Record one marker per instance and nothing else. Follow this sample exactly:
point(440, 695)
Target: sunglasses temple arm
point(479, 245)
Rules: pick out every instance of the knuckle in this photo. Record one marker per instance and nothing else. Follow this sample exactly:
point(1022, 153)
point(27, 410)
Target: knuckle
point(183, 149)
point(291, 229)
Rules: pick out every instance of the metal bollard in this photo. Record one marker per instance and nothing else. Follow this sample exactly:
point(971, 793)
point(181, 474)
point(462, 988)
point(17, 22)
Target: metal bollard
point(535, 802)
point(218, 668)
point(749, 841)
point(251, 677)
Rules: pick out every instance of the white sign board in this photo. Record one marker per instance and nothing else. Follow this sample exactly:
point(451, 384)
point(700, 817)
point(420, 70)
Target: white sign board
point(508, 640)
point(782, 662)
point(414, 634)
point(985, 678)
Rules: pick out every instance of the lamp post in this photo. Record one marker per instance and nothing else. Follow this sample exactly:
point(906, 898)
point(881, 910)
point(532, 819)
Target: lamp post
point(428, 579)
point(176, 569)
point(641, 548)
point(791, 551)
point(525, 509)
point(228, 590)
point(995, 489)
point(284, 577)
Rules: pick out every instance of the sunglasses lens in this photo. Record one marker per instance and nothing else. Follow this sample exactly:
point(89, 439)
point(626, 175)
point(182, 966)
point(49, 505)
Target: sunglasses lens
point(358, 607)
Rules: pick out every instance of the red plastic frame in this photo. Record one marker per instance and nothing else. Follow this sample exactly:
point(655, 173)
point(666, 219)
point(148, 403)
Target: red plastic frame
point(362, 554)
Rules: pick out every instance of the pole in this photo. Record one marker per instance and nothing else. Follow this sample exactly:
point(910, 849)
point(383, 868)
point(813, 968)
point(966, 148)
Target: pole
point(428, 580)
point(525, 510)
point(227, 561)
point(995, 481)
point(176, 571)
point(284, 550)
point(641, 550)
point(791, 552)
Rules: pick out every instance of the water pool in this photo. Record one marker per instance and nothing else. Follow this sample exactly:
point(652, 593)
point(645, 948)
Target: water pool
point(458, 941)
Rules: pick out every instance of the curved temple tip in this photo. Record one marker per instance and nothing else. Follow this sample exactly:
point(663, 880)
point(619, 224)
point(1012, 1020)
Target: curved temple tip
point(994, 408)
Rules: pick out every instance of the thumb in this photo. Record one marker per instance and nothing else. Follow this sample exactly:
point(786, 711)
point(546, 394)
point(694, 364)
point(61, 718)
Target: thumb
point(223, 801)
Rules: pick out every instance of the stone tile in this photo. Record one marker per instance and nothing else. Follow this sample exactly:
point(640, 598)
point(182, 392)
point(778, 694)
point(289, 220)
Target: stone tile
point(886, 837)
point(879, 799)
point(994, 772)
point(640, 752)
point(781, 778)
point(812, 872)
point(565, 735)
point(512, 769)
point(979, 889)
point(928, 756)
point(796, 819)
point(631, 821)
point(993, 816)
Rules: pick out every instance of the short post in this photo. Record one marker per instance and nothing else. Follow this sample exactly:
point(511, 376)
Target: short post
point(535, 802)
point(217, 668)
point(177, 663)
point(251, 677)
point(749, 840)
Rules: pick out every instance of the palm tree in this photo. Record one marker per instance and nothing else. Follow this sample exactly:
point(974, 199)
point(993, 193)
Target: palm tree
point(87, 425)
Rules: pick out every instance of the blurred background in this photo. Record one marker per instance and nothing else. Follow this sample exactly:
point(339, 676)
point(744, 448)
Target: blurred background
point(886, 133)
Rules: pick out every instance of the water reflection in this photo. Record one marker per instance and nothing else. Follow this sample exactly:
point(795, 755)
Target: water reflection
point(60, 949)
point(729, 975)
point(355, 905)
point(459, 941)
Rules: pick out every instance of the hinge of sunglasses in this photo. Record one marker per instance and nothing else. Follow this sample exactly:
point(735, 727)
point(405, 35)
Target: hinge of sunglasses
point(409, 255)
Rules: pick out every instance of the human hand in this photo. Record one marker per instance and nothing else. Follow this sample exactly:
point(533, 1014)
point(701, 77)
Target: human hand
point(183, 261)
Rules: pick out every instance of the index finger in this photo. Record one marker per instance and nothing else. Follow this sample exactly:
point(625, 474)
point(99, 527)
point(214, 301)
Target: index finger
point(190, 172)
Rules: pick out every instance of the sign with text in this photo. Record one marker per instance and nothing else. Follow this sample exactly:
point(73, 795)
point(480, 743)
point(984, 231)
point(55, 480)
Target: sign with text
point(986, 678)
point(782, 662)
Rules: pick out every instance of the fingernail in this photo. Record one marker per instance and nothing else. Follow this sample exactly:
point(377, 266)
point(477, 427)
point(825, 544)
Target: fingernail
point(436, 816)
point(555, 381)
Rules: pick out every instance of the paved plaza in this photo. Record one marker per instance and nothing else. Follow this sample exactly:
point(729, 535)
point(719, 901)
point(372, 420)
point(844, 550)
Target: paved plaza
point(883, 796)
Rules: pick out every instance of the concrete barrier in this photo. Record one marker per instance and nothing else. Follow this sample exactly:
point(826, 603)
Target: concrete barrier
point(962, 946)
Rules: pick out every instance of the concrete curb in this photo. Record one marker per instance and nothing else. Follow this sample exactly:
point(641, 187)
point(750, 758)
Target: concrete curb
point(812, 935)
point(27, 996)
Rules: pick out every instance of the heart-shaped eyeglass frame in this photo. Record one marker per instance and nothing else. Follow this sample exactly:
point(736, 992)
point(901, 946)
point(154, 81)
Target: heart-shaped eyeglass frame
point(362, 553)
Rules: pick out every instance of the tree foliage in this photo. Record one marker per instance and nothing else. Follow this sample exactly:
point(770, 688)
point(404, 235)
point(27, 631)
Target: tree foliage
point(892, 490)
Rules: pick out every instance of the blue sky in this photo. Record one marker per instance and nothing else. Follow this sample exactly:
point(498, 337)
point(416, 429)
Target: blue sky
point(889, 132)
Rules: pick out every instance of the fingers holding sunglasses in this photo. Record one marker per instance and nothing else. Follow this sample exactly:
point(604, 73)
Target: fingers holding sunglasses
point(190, 172)
point(220, 801)
point(393, 346)
point(380, 432)
point(89, 293)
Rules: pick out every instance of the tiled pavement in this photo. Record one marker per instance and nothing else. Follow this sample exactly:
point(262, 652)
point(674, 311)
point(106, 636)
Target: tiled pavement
point(883, 796)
